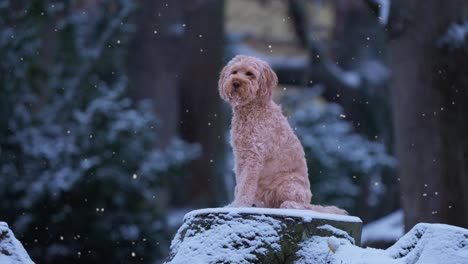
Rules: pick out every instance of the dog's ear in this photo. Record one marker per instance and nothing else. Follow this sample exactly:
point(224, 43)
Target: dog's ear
point(268, 81)
point(222, 79)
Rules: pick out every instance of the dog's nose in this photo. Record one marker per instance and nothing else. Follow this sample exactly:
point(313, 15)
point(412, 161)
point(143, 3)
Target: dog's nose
point(236, 84)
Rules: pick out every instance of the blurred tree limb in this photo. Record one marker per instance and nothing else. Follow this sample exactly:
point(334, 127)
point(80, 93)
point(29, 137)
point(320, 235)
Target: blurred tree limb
point(392, 15)
point(320, 67)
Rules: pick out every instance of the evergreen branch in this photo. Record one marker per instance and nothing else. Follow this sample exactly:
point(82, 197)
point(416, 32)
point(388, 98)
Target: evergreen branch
point(100, 45)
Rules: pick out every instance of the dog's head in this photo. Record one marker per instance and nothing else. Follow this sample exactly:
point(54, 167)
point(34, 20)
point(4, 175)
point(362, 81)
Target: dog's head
point(245, 79)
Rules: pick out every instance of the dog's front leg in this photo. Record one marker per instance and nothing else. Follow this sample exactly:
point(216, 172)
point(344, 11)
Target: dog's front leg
point(247, 180)
point(246, 189)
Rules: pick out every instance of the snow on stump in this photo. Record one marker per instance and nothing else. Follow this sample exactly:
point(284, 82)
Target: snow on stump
point(11, 250)
point(255, 235)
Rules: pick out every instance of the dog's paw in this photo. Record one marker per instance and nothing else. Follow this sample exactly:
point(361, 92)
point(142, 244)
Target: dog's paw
point(326, 209)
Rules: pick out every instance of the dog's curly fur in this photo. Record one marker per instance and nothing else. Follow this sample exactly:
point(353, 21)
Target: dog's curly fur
point(270, 167)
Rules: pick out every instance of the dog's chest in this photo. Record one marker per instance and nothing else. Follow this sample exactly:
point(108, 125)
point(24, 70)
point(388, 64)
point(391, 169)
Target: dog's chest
point(247, 133)
point(242, 134)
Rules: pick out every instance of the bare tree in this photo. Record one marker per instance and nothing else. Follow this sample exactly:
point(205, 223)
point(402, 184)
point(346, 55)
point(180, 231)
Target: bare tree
point(154, 61)
point(430, 103)
point(359, 45)
point(175, 60)
point(202, 118)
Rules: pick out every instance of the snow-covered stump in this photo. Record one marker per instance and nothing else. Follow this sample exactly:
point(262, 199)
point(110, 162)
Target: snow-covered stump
point(255, 235)
point(11, 250)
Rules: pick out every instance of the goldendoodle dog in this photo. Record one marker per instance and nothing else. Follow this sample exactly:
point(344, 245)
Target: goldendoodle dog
point(270, 167)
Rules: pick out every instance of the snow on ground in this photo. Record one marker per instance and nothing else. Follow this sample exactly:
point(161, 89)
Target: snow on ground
point(320, 250)
point(424, 244)
point(389, 229)
point(11, 250)
point(432, 243)
point(307, 215)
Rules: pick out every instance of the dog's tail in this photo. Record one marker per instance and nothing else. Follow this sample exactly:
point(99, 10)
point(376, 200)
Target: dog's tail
point(313, 207)
point(327, 209)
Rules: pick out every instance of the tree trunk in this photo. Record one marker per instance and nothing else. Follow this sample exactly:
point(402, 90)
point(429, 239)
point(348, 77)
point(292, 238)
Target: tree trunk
point(154, 62)
point(360, 44)
point(431, 135)
point(202, 118)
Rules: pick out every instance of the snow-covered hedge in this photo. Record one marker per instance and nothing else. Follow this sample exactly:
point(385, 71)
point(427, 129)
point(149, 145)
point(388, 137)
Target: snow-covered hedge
point(81, 178)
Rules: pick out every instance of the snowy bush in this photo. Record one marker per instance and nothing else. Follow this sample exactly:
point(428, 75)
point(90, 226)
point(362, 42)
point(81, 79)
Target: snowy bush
point(81, 178)
point(343, 166)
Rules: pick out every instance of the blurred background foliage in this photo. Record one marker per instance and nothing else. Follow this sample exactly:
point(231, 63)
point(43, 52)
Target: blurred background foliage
point(111, 127)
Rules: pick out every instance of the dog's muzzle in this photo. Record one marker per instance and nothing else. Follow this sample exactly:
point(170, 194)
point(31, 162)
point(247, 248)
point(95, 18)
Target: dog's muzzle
point(236, 84)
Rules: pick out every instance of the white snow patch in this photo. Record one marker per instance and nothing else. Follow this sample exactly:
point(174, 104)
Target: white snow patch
point(424, 244)
point(455, 37)
point(389, 229)
point(432, 243)
point(351, 254)
point(319, 250)
point(351, 78)
point(16, 254)
point(374, 71)
point(314, 250)
point(336, 231)
point(306, 215)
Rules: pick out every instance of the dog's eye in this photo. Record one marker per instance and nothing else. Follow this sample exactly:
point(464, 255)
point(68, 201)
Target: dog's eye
point(249, 74)
point(234, 72)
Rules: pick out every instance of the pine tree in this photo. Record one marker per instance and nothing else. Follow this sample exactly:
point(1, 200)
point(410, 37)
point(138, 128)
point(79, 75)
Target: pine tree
point(345, 168)
point(80, 176)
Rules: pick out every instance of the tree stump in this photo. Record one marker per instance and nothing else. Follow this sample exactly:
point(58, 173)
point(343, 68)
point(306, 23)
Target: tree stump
point(255, 235)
